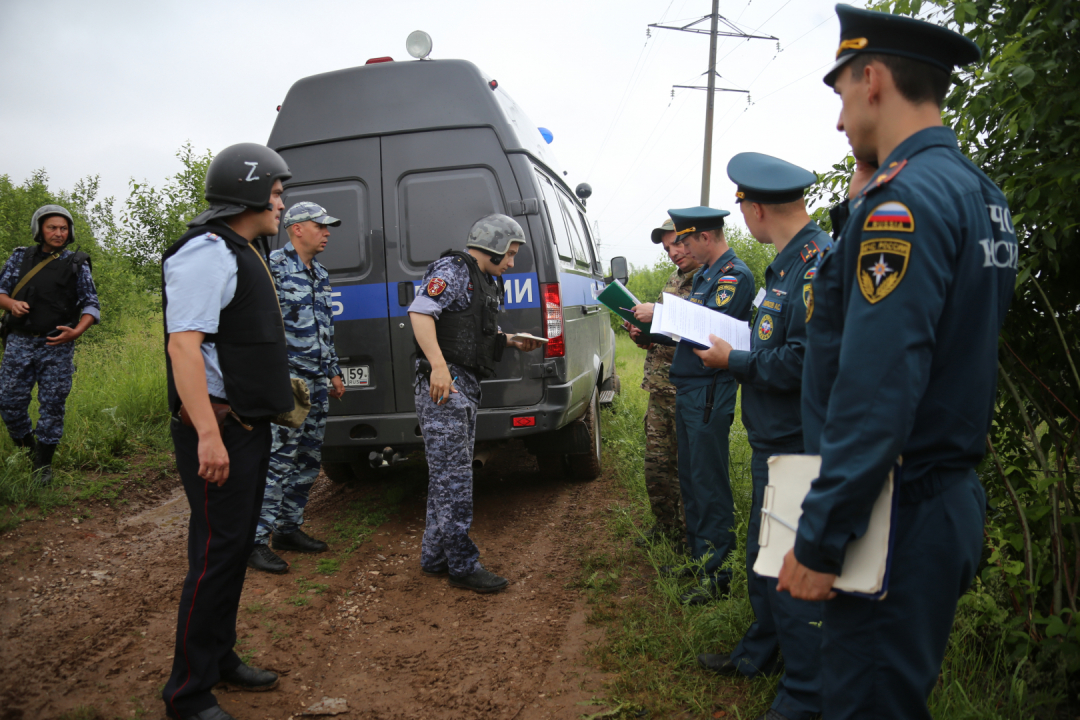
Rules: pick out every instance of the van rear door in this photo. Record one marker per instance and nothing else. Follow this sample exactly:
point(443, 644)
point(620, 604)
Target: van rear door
point(435, 186)
point(344, 178)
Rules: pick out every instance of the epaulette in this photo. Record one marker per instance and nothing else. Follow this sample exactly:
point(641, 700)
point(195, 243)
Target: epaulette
point(884, 177)
point(809, 250)
point(729, 266)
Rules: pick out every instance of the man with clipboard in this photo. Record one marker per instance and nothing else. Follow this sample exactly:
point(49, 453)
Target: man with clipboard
point(901, 360)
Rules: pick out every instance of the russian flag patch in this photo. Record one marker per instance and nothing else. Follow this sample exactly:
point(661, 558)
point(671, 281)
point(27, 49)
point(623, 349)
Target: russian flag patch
point(891, 216)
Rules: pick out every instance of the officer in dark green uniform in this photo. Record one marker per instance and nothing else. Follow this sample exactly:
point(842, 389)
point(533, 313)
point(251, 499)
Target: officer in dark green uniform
point(705, 401)
point(901, 361)
point(770, 195)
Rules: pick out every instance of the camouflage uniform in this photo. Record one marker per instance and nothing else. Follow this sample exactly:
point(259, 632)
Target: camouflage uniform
point(296, 453)
point(28, 360)
point(449, 434)
point(661, 445)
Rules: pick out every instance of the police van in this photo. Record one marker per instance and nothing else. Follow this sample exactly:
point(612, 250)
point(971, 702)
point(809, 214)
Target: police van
point(408, 155)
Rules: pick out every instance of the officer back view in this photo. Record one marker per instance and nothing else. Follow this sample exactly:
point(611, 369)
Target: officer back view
point(228, 374)
point(51, 298)
point(455, 322)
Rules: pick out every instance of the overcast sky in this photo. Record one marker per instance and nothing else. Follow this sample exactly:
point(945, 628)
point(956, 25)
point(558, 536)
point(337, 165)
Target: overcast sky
point(114, 88)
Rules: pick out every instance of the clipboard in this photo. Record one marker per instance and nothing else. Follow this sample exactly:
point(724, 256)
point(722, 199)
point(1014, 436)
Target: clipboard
point(868, 559)
point(616, 298)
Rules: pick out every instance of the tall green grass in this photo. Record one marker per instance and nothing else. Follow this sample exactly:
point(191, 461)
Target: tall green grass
point(651, 640)
point(116, 409)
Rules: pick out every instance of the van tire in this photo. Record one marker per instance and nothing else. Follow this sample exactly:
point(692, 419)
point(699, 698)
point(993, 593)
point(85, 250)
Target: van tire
point(338, 472)
point(616, 384)
point(587, 466)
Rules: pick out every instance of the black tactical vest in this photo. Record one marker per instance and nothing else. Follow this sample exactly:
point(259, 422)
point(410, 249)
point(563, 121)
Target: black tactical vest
point(52, 293)
point(470, 337)
point(250, 339)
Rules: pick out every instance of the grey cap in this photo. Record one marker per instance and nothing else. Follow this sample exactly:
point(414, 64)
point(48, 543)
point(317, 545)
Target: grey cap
point(494, 233)
point(658, 233)
point(303, 211)
point(47, 211)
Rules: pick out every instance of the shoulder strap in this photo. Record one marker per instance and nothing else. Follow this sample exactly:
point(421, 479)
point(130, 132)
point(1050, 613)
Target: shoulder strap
point(28, 276)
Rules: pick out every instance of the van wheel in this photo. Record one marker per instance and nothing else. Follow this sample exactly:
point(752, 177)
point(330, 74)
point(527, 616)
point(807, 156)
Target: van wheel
point(616, 384)
point(586, 466)
point(338, 472)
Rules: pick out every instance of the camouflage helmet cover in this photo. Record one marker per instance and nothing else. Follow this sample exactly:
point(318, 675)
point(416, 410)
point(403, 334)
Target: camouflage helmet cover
point(494, 233)
point(45, 211)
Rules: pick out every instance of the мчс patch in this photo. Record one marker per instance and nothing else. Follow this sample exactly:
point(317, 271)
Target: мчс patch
point(882, 265)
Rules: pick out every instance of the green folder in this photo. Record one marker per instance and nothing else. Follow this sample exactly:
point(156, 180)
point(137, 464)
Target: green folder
point(616, 297)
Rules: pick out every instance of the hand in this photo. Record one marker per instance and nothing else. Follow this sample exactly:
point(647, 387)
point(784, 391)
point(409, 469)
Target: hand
point(634, 330)
point(19, 308)
point(643, 312)
point(717, 356)
point(524, 344)
point(66, 335)
point(213, 459)
point(337, 388)
point(864, 173)
point(802, 582)
point(441, 386)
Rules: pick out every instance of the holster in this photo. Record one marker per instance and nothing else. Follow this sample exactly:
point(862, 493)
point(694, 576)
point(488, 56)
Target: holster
point(221, 413)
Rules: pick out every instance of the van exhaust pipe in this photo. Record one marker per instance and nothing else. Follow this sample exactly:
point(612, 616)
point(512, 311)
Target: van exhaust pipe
point(480, 459)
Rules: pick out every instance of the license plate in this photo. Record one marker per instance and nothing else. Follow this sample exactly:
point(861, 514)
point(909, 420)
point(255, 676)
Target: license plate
point(358, 376)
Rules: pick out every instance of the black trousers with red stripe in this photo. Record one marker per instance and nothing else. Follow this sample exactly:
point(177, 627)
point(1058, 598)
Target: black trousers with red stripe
point(221, 535)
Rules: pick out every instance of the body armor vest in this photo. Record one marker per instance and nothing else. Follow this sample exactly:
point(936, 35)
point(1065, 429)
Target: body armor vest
point(250, 339)
point(52, 293)
point(470, 337)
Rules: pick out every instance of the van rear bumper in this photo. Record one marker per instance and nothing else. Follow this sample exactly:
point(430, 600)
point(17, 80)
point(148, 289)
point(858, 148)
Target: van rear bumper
point(348, 436)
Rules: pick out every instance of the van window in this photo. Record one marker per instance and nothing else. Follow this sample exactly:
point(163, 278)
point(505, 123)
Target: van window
point(590, 242)
point(347, 248)
point(438, 208)
point(584, 256)
point(558, 224)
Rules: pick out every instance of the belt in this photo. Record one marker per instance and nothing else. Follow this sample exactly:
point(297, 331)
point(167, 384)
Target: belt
point(932, 484)
point(15, 331)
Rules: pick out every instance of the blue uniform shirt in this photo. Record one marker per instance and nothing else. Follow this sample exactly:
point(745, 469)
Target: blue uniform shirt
point(902, 345)
point(85, 290)
point(771, 372)
point(726, 286)
point(306, 308)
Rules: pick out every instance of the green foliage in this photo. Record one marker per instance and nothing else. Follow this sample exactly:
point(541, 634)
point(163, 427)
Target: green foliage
point(1017, 116)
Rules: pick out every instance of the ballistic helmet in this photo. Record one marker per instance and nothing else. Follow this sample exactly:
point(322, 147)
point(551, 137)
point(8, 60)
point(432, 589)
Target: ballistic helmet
point(48, 211)
point(240, 178)
point(494, 233)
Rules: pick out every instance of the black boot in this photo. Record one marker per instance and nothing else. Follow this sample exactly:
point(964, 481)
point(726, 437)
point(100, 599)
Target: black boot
point(27, 443)
point(43, 463)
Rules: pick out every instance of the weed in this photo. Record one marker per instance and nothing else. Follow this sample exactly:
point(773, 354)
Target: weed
point(255, 608)
point(327, 566)
point(307, 585)
point(83, 712)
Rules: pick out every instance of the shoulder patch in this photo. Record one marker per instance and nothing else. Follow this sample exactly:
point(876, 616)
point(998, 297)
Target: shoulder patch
point(435, 286)
point(765, 327)
point(729, 280)
point(724, 295)
point(882, 265)
point(808, 300)
point(884, 177)
point(809, 251)
point(891, 216)
point(809, 274)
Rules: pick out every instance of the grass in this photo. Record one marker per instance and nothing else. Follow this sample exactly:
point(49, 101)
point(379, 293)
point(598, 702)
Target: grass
point(651, 640)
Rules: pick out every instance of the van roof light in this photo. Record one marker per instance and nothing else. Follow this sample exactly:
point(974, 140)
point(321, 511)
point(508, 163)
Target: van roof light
point(418, 44)
point(494, 84)
point(372, 61)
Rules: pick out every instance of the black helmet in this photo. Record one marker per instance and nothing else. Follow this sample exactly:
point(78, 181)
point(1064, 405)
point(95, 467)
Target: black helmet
point(48, 211)
point(241, 178)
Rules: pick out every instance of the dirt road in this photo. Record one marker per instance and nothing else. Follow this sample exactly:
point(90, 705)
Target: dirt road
point(87, 608)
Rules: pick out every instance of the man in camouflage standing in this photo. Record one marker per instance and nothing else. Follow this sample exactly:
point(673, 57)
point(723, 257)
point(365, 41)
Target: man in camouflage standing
point(303, 287)
point(661, 445)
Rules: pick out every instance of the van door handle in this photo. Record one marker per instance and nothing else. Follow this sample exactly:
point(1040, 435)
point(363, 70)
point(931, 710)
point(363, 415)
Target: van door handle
point(405, 293)
point(591, 309)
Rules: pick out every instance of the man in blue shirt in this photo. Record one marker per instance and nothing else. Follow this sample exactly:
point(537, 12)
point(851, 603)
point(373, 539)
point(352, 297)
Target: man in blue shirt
point(901, 362)
point(705, 402)
point(303, 287)
point(770, 195)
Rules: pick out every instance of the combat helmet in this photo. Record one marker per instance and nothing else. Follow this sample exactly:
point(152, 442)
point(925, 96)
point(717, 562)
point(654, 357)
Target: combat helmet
point(494, 234)
point(47, 211)
point(240, 178)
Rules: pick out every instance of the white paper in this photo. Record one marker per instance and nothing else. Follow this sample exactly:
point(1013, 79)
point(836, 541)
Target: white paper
point(790, 477)
point(759, 297)
point(684, 320)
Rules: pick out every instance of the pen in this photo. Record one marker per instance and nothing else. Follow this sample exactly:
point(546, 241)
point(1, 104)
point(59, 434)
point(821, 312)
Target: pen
point(627, 309)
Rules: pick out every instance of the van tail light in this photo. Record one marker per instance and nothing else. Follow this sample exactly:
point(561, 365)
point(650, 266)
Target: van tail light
point(553, 320)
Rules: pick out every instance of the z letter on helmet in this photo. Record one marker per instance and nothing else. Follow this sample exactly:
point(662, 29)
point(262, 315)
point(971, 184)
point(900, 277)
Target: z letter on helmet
point(251, 172)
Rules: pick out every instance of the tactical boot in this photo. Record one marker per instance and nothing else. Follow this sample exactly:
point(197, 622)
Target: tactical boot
point(481, 581)
point(252, 679)
point(43, 457)
point(298, 541)
point(436, 570)
point(211, 713)
point(263, 558)
point(27, 443)
point(719, 664)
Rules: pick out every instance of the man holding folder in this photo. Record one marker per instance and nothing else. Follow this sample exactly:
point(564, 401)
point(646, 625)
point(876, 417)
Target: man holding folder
point(705, 401)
